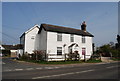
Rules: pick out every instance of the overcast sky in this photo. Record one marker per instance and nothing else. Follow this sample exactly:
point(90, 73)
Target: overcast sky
point(101, 18)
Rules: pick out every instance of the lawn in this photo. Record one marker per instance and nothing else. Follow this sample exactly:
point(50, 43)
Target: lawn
point(116, 59)
point(93, 61)
point(63, 62)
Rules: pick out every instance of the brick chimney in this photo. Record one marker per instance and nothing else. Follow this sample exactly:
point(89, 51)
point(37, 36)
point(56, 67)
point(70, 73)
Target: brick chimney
point(83, 26)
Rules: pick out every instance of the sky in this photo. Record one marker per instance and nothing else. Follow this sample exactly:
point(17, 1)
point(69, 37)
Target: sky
point(101, 18)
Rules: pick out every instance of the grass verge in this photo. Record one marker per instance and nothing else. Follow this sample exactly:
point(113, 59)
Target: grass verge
point(93, 61)
point(116, 59)
point(63, 62)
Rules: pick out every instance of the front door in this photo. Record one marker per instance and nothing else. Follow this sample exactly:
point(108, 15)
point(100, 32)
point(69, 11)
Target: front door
point(84, 53)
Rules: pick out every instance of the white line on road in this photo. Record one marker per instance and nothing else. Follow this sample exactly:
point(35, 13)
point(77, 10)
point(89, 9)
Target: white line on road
point(8, 70)
point(56, 67)
point(29, 69)
point(18, 69)
point(111, 66)
point(86, 71)
point(63, 74)
point(38, 68)
point(49, 67)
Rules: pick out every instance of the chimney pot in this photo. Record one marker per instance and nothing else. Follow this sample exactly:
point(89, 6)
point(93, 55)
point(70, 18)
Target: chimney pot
point(83, 26)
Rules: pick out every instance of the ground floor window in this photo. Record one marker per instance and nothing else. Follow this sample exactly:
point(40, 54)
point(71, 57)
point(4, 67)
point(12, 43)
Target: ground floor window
point(59, 50)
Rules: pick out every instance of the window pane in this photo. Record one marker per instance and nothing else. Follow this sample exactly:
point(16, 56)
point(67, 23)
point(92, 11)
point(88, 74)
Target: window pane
point(59, 50)
point(72, 38)
point(33, 37)
point(59, 37)
point(83, 39)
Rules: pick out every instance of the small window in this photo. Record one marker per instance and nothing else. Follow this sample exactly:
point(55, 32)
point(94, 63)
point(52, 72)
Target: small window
point(59, 36)
point(83, 39)
point(72, 38)
point(33, 37)
point(59, 50)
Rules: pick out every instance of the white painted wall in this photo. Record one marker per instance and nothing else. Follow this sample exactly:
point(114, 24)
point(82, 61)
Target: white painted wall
point(41, 40)
point(19, 51)
point(88, 46)
point(52, 44)
point(47, 40)
point(13, 50)
point(37, 42)
point(29, 42)
point(1, 47)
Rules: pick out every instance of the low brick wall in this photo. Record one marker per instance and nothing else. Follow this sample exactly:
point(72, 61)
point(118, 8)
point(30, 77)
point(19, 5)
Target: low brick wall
point(105, 59)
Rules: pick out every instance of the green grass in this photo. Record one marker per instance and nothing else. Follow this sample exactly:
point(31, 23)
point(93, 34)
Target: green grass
point(63, 62)
point(116, 59)
point(55, 62)
point(93, 61)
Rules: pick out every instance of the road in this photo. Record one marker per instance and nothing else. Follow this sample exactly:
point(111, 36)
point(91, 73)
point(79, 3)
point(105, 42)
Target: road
point(22, 70)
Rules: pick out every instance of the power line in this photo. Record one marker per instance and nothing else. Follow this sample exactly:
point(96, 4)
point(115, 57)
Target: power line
point(7, 26)
point(9, 36)
point(25, 15)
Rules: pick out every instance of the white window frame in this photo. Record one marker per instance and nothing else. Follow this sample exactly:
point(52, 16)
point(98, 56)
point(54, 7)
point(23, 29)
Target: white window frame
point(71, 38)
point(32, 37)
point(59, 36)
point(83, 39)
point(59, 50)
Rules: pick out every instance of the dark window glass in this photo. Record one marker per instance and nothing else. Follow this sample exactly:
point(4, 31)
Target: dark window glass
point(59, 37)
point(59, 50)
point(83, 39)
point(72, 38)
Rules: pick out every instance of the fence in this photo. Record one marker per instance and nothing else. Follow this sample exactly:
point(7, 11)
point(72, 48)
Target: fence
point(64, 57)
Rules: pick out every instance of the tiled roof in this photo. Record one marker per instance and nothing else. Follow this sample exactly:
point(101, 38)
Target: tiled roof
point(61, 29)
point(12, 47)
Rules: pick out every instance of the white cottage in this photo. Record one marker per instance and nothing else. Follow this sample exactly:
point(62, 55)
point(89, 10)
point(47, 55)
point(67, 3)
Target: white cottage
point(58, 41)
point(27, 39)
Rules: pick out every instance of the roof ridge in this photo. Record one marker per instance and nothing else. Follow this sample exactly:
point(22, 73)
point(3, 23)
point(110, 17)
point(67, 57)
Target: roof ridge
point(35, 26)
point(61, 26)
point(56, 28)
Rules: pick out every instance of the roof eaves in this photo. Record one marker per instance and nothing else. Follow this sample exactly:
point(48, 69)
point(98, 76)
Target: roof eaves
point(31, 29)
point(61, 29)
point(42, 26)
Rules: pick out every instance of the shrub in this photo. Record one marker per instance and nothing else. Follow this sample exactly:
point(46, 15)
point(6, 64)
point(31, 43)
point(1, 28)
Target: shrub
point(39, 55)
point(24, 57)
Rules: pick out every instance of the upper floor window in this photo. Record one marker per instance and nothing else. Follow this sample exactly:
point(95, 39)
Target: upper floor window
point(59, 36)
point(59, 50)
point(83, 39)
point(72, 38)
point(33, 37)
